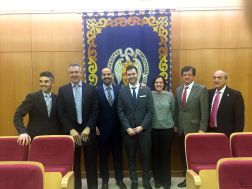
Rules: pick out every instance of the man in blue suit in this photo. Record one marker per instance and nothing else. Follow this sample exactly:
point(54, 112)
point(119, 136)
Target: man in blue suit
point(108, 129)
point(135, 109)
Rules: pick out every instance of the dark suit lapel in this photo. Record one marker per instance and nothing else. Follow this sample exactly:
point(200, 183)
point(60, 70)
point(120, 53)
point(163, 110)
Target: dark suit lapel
point(42, 104)
point(140, 93)
point(84, 97)
point(128, 93)
point(115, 91)
point(210, 99)
point(103, 93)
point(71, 97)
point(225, 98)
point(70, 94)
point(53, 108)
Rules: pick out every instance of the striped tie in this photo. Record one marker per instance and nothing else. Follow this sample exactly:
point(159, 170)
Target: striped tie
point(110, 98)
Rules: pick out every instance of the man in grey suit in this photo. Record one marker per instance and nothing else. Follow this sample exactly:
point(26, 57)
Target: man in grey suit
point(191, 110)
point(135, 109)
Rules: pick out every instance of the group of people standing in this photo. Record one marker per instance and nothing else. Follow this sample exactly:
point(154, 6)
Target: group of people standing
point(103, 117)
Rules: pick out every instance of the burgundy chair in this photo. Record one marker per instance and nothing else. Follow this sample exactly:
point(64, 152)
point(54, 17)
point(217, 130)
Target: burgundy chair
point(56, 153)
point(235, 173)
point(10, 150)
point(203, 150)
point(21, 175)
point(241, 144)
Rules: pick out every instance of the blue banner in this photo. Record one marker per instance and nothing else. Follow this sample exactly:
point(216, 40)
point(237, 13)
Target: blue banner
point(117, 39)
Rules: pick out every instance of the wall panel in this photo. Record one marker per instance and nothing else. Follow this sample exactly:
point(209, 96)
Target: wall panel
point(56, 32)
point(214, 29)
point(16, 82)
point(15, 33)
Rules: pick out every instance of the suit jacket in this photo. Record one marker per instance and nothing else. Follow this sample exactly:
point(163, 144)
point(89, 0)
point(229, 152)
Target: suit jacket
point(39, 123)
point(67, 110)
point(108, 121)
point(230, 113)
point(194, 116)
point(131, 115)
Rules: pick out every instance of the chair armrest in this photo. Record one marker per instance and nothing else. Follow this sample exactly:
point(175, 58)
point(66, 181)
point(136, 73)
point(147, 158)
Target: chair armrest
point(68, 181)
point(53, 180)
point(209, 179)
point(192, 179)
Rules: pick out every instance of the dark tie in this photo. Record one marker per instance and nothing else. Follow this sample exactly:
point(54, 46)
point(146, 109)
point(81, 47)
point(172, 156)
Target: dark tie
point(48, 101)
point(78, 103)
point(134, 95)
point(214, 110)
point(110, 98)
point(184, 97)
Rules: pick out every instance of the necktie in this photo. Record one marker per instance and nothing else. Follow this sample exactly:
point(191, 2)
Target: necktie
point(214, 110)
point(134, 95)
point(184, 97)
point(78, 103)
point(110, 98)
point(48, 101)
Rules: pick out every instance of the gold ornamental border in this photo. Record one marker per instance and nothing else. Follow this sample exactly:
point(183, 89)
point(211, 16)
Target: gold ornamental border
point(94, 27)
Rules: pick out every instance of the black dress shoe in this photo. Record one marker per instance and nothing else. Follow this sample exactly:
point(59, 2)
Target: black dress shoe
point(104, 186)
point(121, 185)
point(147, 186)
point(134, 186)
point(182, 184)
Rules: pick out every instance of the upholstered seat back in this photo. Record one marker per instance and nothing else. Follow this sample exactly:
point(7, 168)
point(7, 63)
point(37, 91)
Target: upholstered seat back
point(203, 150)
point(10, 150)
point(56, 153)
point(241, 144)
point(234, 173)
point(21, 175)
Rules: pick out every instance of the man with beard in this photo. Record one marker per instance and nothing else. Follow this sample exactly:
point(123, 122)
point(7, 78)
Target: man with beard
point(41, 107)
point(135, 109)
point(108, 129)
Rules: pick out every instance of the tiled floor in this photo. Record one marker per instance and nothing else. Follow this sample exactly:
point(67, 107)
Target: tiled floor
point(112, 183)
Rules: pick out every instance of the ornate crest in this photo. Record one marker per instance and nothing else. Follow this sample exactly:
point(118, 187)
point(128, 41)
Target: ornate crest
point(119, 61)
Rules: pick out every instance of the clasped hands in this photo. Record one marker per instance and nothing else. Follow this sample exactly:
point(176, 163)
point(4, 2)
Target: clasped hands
point(134, 131)
point(83, 136)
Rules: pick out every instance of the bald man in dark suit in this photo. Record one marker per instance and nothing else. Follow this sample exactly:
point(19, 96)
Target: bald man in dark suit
point(228, 116)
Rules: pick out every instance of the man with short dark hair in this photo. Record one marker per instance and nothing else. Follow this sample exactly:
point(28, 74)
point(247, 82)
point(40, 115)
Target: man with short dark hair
point(41, 107)
point(135, 110)
point(226, 106)
point(191, 110)
point(78, 110)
